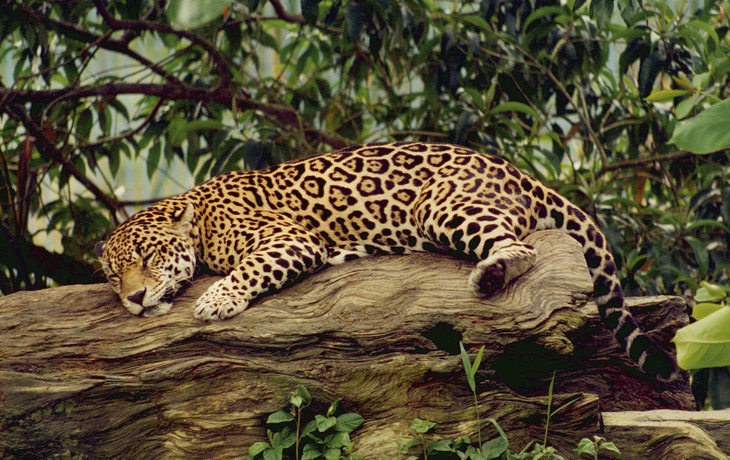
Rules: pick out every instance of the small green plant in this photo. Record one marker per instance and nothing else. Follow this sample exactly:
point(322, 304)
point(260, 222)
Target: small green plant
point(471, 370)
point(497, 448)
point(326, 436)
point(461, 448)
point(586, 446)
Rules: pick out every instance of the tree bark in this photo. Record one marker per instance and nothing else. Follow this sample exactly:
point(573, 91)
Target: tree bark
point(80, 376)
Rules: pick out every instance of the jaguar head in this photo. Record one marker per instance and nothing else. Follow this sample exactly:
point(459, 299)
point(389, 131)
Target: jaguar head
point(149, 258)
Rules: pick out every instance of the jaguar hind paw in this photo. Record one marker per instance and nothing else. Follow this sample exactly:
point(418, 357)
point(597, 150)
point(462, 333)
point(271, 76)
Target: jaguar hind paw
point(502, 266)
point(487, 279)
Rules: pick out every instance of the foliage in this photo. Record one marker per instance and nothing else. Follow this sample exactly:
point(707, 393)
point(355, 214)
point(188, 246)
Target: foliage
point(592, 447)
point(497, 448)
point(584, 95)
point(324, 436)
point(471, 370)
point(705, 345)
point(706, 342)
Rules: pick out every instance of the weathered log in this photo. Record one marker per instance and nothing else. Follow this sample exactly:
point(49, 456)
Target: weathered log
point(80, 375)
point(670, 434)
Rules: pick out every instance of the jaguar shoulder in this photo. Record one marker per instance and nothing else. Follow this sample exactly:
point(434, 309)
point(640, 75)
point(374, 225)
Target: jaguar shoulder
point(263, 229)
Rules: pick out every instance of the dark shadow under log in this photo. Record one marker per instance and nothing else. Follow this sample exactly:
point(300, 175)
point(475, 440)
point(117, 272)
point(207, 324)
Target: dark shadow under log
point(80, 376)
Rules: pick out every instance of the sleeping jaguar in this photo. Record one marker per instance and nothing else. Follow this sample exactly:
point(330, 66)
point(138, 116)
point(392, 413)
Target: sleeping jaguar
point(264, 229)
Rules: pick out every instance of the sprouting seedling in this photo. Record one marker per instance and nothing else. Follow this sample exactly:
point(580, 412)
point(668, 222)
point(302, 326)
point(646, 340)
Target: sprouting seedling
point(471, 370)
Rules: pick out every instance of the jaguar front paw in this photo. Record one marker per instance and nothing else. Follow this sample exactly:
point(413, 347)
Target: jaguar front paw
point(218, 303)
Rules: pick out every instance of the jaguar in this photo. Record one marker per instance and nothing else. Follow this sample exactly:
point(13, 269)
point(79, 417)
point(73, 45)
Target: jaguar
point(266, 228)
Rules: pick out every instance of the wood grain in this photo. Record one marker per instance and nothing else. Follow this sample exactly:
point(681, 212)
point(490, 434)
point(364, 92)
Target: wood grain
point(80, 376)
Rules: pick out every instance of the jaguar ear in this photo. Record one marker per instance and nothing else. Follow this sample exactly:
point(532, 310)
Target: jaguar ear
point(99, 248)
point(184, 220)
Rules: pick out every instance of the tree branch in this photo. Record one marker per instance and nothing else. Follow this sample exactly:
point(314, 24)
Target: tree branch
point(17, 112)
point(26, 257)
point(82, 35)
point(282, 113)
point(643, 162)
point(117, 24)
point(283, 14)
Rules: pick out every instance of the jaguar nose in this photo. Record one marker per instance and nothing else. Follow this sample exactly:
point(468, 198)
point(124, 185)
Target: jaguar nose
point(137, 297)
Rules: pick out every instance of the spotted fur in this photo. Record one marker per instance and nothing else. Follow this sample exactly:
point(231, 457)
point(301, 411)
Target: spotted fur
point(264, 229)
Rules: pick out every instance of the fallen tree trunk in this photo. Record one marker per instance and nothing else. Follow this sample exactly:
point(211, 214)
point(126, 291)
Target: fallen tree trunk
point(81, 376)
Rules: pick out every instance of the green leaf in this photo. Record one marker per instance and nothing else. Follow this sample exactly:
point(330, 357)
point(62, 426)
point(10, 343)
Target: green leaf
point(198, 125)
point(709, 292)
point(422, 426)
point(467, 367)
point(477, 361)
point(609, 446)
point(284, 438)
point(443, 445)
point(666, 95)
point(304, 394)
point(601, 11)
point(333, 454)
point(310, 427)
point(706, 132)
point(707, 28)
point(333, 407)
point(310, 452)
point(84, 124)
point(324, 423)
point(410, 443)
point(685, 107)
point(234, 36)
point(585, 446)
point(628, 10)
point(258, 447)
point(310, 11)
point(280, 417)
point(648, 71)
point(119, 107)
point(702, 256)
point(186, 14)
point(153, 159)
point(637, 48)
point(347, 423)
point(705, 343)
point(702, 310)
point(339, 440)
point(514, 107)
point(355, 20)
point(273, 454)
point(495, 447)
point(176, 131)
point(541, 13)
point(464, 124)
point(707, 224)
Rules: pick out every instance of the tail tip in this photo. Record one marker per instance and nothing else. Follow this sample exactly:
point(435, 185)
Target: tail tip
point(660, 365)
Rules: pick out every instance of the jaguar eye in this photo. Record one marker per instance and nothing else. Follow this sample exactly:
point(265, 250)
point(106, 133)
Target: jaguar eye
point(146, 259)
point(113, 278)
